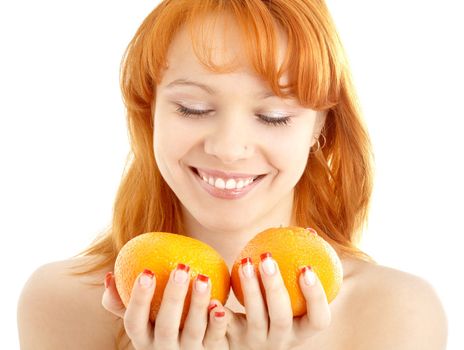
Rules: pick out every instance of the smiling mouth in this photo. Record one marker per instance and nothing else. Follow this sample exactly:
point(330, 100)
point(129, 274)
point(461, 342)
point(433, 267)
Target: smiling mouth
point(227, 184)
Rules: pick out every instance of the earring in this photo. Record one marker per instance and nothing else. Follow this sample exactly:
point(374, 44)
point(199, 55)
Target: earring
point(319, 147)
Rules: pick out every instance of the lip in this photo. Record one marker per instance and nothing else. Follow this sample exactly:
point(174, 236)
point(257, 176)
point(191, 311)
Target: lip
point(224, 175)
point(224, 193)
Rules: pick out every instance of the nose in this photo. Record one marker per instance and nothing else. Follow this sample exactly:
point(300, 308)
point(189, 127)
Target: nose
point(230, 140)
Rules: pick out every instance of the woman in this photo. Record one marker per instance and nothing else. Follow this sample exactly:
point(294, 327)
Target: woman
point(253, 95)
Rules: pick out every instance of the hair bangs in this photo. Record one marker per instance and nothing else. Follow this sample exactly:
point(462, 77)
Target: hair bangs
point(310, 57)
point(256, 29)
point(314, 58)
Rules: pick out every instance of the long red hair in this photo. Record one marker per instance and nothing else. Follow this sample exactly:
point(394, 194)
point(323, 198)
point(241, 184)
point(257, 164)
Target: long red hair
point(334, 192)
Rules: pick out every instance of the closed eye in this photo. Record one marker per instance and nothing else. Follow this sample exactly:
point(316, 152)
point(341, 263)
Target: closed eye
point(187, 112)
point(197, 114)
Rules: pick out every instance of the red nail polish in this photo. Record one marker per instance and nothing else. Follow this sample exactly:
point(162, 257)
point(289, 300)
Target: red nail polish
point(183, 267)
point(212, 306)
point(246, 261)
point(108, 277)
point(219, 314)
point(148, 272)
point(304, 268)
point(247, 267)
point(268, 264)
point(203, 278)
point(265, 255)
point(308, 275)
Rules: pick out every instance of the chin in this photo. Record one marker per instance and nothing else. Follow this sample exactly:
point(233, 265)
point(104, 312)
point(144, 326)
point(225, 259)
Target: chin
point(223, 223)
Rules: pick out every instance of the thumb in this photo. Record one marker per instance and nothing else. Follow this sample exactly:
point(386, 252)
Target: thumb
point(111, 300)
point(219, 317)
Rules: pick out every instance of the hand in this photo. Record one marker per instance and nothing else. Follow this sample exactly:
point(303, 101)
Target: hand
point(197, 332)
point(273, 326)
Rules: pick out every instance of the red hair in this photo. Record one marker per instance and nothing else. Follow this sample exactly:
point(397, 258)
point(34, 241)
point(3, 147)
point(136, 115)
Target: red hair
point(334, 192)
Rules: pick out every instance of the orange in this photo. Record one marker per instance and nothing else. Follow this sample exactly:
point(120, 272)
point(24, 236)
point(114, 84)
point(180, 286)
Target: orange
point(293, 247)
point(161, 252)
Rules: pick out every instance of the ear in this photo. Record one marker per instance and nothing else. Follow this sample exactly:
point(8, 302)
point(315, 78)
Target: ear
point(318, 125)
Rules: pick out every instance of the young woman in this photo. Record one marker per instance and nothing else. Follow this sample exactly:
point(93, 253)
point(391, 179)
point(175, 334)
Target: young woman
point(242, 116)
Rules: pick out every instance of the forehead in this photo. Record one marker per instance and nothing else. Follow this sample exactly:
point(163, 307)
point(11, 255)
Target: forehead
point(220, 41)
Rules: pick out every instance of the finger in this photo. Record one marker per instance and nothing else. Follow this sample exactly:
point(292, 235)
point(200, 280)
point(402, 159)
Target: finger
point(111, 300)
point(219, 318)
point(136, 319)
point(318, 314)
point(236, 324)
point(278, 301)
point(255, 306)
point(170, 313)
point(197, 317)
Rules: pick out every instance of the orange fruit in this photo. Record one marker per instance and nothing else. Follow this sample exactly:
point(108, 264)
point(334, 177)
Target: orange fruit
point(293, 247)
point(161, 252)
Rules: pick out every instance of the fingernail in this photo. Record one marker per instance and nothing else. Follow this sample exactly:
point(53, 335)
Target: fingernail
point(201, 283)
point(308, 275)
point(313, 231)
point(212, 306)
point(146, 278)
point(247, 267)
point(181, 275)
point(219, 314)
point(268, 263)
point(108, 277)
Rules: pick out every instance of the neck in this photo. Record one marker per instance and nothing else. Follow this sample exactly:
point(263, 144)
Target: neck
point(229, 238)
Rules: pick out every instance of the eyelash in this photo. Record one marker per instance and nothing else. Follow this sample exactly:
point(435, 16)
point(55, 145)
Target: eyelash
point(187, 112)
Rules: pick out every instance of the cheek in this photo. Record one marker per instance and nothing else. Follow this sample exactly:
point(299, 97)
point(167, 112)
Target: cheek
point(171, 136)
point(290, 153)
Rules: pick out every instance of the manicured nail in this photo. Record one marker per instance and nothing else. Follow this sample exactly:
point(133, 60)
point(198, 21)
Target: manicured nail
point(313, 231)
point(108, 277)
point(181, 275)
point(219, 314)
point(212, 306)
point(268, 263)
point(146, 278)
point(247, 267)
point(201, 283)
point(308, 275)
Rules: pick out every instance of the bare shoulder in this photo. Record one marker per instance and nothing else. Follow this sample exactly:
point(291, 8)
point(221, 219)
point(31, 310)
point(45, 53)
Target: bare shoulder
point(59, 310)
point(396, 310)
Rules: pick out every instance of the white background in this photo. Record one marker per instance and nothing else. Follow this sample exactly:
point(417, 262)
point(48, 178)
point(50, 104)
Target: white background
point(63, 138)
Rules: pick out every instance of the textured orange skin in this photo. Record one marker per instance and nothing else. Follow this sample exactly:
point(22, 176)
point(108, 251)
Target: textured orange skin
point(293, 247)
point(161, 252)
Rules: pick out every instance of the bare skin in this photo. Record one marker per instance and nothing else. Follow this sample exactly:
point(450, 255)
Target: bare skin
point(377, 307)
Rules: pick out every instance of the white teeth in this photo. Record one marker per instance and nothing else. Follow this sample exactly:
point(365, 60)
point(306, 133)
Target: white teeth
point(229, 184)
point(220, 183)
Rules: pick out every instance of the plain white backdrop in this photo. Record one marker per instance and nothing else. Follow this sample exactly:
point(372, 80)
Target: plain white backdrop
point(63, 138)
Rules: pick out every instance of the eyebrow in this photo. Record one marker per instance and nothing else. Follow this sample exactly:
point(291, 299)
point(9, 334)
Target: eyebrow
point(209, 89)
